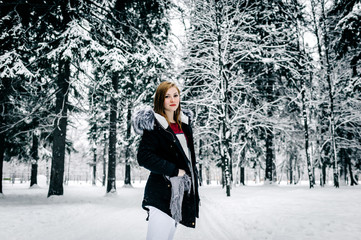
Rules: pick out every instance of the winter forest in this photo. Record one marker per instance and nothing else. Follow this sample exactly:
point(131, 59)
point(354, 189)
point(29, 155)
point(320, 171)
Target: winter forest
point(274, 86)
point(275, 91)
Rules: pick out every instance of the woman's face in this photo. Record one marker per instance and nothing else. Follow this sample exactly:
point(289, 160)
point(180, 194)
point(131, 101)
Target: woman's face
point(171, 100)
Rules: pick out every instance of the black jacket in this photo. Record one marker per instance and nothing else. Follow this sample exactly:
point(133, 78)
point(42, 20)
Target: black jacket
point(161, 153)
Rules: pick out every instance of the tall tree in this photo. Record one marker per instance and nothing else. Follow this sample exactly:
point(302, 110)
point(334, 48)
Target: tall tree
point(344, 39)
point(111, 186)
point(108, 58)
point(139, 32)
point(338, 28)
point(298, 72)
point(217, 43)
point(275, 40)
point(15, 82)
point(71, 35)
point(146, 29)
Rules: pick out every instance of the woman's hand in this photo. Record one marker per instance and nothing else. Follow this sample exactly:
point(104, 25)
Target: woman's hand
point(181, 173)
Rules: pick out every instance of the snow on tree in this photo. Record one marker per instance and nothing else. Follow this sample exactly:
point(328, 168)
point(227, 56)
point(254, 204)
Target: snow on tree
point(334, 26)
point(217, 42)
point(16, 86)
point(135, 33)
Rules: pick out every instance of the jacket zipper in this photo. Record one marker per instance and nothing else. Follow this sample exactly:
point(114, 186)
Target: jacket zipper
point(189, 164)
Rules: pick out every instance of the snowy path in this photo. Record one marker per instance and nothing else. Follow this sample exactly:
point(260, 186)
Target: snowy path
point(253, 212)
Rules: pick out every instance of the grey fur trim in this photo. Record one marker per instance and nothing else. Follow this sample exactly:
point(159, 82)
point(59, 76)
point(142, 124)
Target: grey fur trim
point(143, 118)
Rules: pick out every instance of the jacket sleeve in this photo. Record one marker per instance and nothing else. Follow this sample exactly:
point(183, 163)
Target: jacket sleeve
point(148, 158)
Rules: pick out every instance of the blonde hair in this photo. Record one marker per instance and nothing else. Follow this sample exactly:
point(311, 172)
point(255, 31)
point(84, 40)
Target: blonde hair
point(159, 101)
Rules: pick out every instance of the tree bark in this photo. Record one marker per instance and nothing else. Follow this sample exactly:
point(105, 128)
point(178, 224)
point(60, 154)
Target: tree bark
point(200, 174)
point(304, 110)
point(127, 179)
point(104, 161)
point(34, 160)
point(352, 179)
point(269, 131)
point(319, 48)
point(2, 152)
point(94, 179)
point(343, 165)
point(208, 173)
point(59, 133)
point(304, 115)
point(291, 167)
point(330, 93)
point(200, 169)
point(324, 167)
point(242, 161)
point(269, 156)
point(111, 186)
point(242, 176)
point(322, 164)
point(345, 154)
point(225, 128)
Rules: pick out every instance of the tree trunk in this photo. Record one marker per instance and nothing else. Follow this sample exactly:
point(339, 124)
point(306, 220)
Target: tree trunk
point(343, 166)
point(242, 177)
point(2, 152)
point(208, 173)
point(224, 104)
point(330, 93)
point(242, 161)
point(200, 169)
point(111, 186)
point(230, 161)
point(352, 179)
point(34, 160)
point(269, 156)
point(200, 174)
point(322, 164)
point(345, 154)
point(298, 174)
point(324, 167)
point(291, 168)
point(68, 174)
point(304, 115)
point(269, 131)
point(104, 161)
point(225, 157)
point(319, 48)
point(354, 65)
point(94, 179)
point(127, 179)
point(223, 181)
point(59, 133)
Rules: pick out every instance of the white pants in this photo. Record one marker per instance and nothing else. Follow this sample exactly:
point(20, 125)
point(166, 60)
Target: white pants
point(160, 225)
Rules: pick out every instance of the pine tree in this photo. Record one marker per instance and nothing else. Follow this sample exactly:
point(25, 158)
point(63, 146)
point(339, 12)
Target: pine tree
point(343, 20)
point(71, 35)
point(297, 71)
point(275, 40)
point(107, 58)
point(15, 83)
point(133, 66)
point(146, 30)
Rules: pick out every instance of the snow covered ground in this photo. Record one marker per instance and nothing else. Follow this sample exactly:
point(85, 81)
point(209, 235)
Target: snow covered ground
point(252, 212)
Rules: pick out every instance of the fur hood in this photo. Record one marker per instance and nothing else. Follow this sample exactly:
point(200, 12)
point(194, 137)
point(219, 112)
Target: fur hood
point(143, 118)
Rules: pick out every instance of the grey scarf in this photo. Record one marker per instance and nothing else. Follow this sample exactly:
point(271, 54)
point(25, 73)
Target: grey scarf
point(179, 186)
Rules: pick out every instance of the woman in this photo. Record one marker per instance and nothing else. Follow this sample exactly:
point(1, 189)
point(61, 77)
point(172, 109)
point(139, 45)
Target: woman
point(167, 151)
